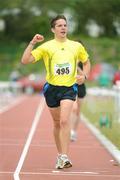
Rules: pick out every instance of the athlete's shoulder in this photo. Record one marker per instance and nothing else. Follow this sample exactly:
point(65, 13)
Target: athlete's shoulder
point(73, 42)
point(47, 43)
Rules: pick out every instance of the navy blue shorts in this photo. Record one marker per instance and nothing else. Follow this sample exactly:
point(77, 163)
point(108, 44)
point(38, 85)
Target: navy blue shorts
point(81, 91)
point(54, 94)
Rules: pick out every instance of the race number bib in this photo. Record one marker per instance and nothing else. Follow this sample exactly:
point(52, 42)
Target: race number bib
point(63, 69)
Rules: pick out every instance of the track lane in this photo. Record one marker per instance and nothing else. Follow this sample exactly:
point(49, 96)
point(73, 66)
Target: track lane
point(15, 124)
point(91, 161)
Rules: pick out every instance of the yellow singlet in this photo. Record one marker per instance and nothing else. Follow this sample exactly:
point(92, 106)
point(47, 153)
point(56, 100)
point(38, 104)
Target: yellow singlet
point(60, 60)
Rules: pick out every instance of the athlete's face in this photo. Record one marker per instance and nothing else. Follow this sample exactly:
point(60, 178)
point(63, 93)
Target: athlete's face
point(60, 29)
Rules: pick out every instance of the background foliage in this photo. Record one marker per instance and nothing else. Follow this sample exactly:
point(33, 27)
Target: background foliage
point(25, 18)
point(22, 19)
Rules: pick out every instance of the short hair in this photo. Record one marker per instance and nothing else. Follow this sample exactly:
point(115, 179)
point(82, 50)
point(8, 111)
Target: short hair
point(53, 21)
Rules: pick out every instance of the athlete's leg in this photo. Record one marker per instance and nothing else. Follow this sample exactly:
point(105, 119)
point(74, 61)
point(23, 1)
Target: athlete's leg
point(75, 119)
point(55, 112)
point(75, 116)
point(65, 124)
point(61, 119)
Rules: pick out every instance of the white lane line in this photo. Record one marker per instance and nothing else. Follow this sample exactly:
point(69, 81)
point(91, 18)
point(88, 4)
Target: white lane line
point(29, 139)
point(112, 149)
point(72, 173)
point(6, 172)
point(61, 173)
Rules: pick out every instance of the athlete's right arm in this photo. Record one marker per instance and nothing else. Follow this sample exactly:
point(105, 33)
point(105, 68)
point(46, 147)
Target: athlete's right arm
point(27, 56)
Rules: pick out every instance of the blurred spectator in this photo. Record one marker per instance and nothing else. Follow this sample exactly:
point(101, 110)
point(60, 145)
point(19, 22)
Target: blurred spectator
point(116, 77)
point(15, 75)
point(32, 83)
point(104, 79)
point(105, 120)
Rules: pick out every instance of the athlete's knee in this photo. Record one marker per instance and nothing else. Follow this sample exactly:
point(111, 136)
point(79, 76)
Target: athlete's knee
point(63, 123)
point(75, 109)
point(78, 113)
point(57, 124)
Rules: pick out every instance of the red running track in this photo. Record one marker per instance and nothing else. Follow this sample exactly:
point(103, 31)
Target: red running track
point(28, 152)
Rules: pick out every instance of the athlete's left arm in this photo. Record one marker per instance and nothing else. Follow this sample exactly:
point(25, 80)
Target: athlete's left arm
point(86, 68)
point(83, 74)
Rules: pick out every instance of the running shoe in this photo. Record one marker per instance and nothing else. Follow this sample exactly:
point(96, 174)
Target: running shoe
point(66, 162)
point(73, 135)
point(59, 163)
point(63, 162)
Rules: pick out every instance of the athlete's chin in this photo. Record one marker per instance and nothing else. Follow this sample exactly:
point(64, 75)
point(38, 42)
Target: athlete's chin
point(63, 35)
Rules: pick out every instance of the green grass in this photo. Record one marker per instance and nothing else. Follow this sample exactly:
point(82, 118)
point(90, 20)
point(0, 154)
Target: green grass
point(93, 107)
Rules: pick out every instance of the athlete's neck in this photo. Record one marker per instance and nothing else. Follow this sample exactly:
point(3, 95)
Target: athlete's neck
point(60, 39)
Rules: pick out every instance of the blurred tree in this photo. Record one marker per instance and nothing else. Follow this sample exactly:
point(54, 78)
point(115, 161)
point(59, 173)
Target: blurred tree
point(104, 12)
point(25, 18)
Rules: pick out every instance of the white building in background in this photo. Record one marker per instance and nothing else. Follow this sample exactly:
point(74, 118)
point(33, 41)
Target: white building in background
point(117, 26)
point(2, 25)
point(93, 29)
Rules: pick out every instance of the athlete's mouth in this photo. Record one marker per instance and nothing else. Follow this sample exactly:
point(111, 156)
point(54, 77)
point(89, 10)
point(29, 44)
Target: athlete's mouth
point(63, 32)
